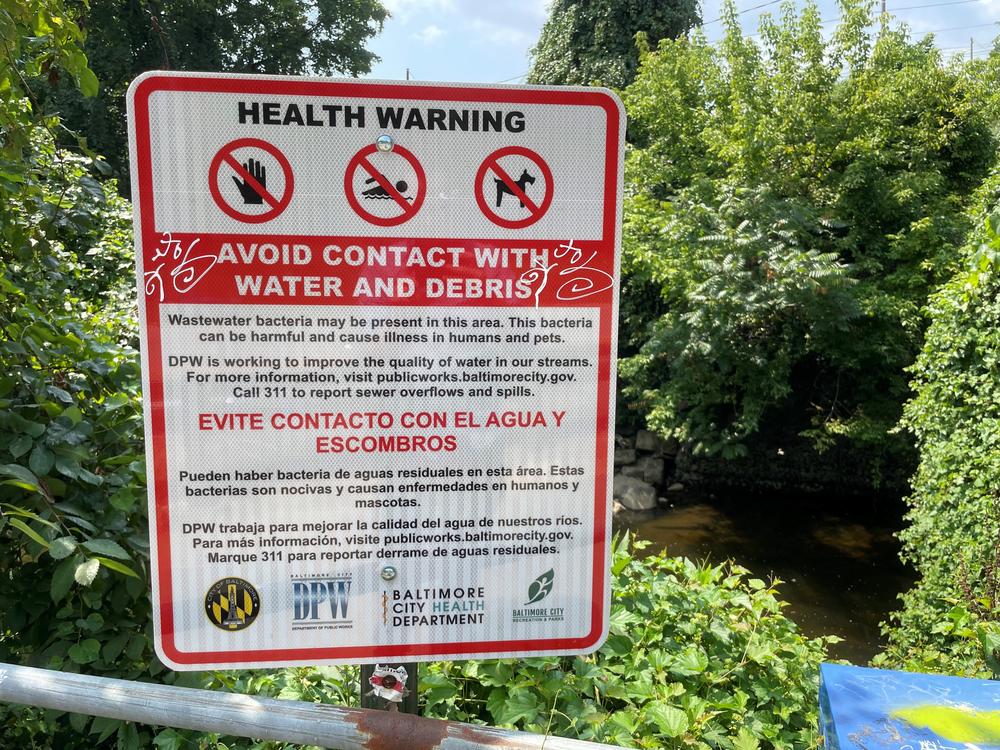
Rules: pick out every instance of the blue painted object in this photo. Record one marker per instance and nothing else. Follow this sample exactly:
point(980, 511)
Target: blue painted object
point(875, 709)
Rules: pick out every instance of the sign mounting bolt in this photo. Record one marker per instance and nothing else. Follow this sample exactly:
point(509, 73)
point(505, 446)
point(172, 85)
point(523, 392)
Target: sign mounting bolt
point(384, 143)
point(388, 573)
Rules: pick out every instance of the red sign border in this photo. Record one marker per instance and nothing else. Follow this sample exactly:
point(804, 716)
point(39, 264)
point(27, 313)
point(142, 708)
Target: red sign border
point(418, 201)
point(222, 203)
point(494, 158)
point(164, 642)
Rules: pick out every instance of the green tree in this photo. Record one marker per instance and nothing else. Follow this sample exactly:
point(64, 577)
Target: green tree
point(950, 620)
point(584, 41)
point(792, 200)
point(285, 37)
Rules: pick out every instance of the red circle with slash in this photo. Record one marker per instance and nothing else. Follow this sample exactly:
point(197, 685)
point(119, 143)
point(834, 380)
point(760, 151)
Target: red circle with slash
point(225, 156)
point(409, 210)
point(535, 210)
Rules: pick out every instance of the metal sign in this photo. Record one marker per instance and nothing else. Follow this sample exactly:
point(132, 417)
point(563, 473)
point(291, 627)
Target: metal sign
point(378, 332)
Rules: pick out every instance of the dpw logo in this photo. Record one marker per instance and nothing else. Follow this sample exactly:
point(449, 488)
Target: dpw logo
point(320, 600)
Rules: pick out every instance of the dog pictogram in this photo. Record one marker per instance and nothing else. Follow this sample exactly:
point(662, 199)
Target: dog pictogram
point(522, 182)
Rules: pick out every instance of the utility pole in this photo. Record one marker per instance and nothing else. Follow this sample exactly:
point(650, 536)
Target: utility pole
point(972, 41)
point(883, 7)
point(408, 70)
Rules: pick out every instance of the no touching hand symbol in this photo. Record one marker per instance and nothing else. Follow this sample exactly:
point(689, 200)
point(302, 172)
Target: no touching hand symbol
point(259, 172)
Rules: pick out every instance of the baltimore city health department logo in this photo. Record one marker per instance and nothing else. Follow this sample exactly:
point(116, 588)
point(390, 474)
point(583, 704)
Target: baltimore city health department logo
point(232, 604)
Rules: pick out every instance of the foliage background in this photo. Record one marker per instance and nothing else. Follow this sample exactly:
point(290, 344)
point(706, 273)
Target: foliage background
point(792, 203)
point(949, 620)
point(584, 42)
point(125, 38)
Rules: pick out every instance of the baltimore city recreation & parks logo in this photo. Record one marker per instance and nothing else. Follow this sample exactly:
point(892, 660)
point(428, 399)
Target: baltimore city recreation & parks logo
point(540, 588)
point(232, 604)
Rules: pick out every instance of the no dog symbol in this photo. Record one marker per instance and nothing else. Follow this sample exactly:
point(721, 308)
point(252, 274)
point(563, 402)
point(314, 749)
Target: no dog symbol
point(514, 187)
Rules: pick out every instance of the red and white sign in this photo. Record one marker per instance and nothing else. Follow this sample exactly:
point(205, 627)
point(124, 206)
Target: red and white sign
point(379, 384)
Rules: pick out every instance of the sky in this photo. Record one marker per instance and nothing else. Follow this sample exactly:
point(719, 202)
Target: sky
point(479, 41)
point(487, 41)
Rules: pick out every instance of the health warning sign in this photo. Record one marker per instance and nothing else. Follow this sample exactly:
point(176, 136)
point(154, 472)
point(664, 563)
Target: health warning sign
point(378, 331)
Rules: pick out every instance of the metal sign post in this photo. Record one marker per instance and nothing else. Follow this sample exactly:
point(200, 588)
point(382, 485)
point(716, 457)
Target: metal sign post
point(378, 331)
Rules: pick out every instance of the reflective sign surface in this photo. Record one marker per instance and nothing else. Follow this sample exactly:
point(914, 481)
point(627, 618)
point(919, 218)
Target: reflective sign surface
point(379, 383)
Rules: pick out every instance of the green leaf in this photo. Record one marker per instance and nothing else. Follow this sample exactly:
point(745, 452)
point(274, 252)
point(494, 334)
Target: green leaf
point(86, 571)
point(67, 465)
point(20, 445)
point(41, 460)
point(115, 401)
point(107, 547)
point(62, 579)
point(21, 476)
point(128, 737)
point(136, 645)
point(89, 85)
point(30, 532)
point(113, 648)
point(117, 567)
point(15, 510)
point(671, 721)
point(521, 704)
point(79, 722)
point(61, 394)
point(691, 662)
point(85, 651)
point(62, 547)
point(495, 701)
point(619, 645)
point(123, 499)
point(104, 727)
point(170, 739)
point(745, 740)
point(89, 477)
point(35, 429)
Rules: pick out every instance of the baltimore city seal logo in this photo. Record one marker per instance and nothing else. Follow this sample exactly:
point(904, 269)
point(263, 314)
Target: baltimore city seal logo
point(232, 604)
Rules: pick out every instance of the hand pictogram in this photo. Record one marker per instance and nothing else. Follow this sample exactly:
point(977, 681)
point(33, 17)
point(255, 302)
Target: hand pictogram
point(250, 195)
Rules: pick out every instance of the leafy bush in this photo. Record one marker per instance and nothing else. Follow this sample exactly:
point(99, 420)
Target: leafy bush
point(73, 548)
point(792, 200)
point(699, 656)
point(950, 621)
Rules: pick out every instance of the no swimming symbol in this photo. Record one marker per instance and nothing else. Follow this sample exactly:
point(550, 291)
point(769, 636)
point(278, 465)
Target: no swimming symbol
point(388, 190)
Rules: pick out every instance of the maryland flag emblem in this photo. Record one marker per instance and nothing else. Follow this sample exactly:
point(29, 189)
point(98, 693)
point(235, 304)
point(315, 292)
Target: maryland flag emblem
point(232, 604)
point(389, 683)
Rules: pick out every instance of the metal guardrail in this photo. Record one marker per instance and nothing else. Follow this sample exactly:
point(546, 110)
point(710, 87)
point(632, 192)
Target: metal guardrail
point(259, 718)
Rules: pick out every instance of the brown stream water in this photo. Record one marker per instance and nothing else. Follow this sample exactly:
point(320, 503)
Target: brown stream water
point(841, 576)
